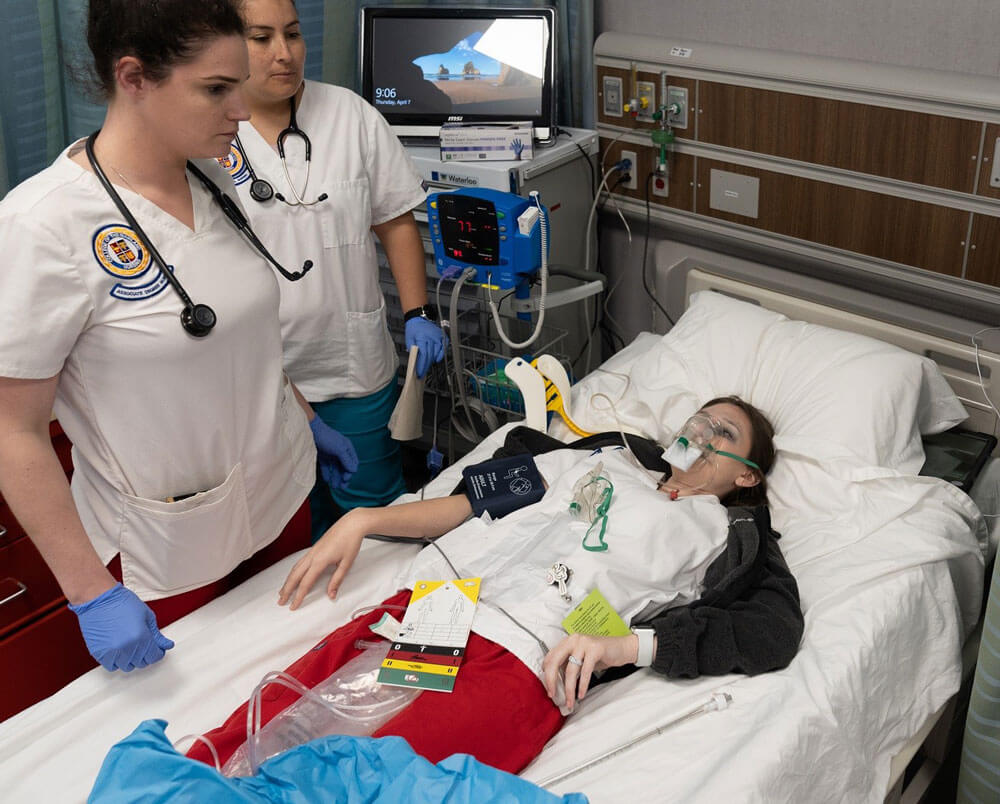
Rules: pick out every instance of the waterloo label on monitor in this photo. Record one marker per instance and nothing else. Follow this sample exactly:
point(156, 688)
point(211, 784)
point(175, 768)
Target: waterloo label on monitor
point(424, 67)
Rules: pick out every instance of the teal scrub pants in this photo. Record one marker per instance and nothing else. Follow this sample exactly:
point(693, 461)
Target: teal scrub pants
point(379, 479)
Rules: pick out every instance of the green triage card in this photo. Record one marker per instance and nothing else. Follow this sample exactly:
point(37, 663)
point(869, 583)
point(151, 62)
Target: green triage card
point(596, 617)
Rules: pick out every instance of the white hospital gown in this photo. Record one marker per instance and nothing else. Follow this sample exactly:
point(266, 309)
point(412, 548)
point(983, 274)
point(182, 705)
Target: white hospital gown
point(658, 551)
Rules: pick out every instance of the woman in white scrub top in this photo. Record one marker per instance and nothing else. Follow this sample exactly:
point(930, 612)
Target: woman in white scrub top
point(190, 453)
point(359, 180)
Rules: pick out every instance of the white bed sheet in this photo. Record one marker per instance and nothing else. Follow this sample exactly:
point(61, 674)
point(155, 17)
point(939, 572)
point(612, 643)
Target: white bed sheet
point(889, 595)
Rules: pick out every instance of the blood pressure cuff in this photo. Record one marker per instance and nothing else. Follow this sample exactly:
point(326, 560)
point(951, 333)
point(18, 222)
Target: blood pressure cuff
point(502, 485)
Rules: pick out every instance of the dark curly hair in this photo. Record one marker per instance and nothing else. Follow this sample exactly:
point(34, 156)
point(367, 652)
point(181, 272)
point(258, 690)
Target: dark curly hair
point(761, 452)
point(160, 33)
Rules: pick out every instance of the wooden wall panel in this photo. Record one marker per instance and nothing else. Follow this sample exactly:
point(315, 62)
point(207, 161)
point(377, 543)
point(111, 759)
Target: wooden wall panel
point(913, 233)
point(909, 146)
point(681, 168)
point(984, 253)
point(989, 146)
point(933, 151)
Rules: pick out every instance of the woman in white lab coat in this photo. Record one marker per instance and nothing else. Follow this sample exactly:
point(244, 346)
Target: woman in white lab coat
point(337, 347)
point(191, 451)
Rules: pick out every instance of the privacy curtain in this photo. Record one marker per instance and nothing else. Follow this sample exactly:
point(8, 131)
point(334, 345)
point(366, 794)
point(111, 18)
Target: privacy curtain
point(979, 776)
point(43, 109)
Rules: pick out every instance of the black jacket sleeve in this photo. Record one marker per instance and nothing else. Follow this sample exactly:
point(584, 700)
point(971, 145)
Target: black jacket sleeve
point(749, 619)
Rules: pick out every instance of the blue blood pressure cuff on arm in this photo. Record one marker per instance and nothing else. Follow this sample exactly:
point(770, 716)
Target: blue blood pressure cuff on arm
point(502, 485)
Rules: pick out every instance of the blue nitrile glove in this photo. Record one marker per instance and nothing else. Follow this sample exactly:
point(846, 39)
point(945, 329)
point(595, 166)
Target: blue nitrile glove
point(429, 339)
point(337, 459)
point(120, 630)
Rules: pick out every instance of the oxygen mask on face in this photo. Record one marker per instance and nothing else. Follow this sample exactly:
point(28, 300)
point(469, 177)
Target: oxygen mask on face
point(695, 449)
point(692, 449)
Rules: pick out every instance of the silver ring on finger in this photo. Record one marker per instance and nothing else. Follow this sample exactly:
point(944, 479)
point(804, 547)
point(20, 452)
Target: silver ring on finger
point(573, 660)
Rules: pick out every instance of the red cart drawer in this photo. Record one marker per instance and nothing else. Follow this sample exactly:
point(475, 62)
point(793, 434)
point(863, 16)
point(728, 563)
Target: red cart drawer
point(40, 659)
point(26, 585)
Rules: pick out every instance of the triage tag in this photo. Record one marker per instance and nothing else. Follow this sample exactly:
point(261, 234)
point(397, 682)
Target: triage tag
point(428, 649)
point(595, 616)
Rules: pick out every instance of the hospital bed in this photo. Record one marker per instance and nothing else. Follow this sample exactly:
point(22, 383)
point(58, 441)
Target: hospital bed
point(889, 567)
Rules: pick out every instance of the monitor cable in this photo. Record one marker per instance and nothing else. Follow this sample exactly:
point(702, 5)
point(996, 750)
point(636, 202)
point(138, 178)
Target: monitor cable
point(543, 274)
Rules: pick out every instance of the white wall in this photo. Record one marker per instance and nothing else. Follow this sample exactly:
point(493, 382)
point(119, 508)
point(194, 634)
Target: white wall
point(955, 35)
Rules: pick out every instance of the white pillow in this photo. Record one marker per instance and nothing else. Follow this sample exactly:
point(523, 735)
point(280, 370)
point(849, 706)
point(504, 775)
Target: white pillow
point(654, 391)
point(831, 394)
point(718, 339)
point(845, 400)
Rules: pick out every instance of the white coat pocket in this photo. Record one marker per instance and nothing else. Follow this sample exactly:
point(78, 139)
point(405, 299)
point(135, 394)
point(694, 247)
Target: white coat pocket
point(372, 352)
point(167, 548)
point(346, 216)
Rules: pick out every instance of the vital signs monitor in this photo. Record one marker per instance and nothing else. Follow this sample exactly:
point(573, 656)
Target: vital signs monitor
point(496, 233)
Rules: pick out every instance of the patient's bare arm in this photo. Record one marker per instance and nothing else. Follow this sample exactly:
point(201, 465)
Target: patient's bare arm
point(340, 544)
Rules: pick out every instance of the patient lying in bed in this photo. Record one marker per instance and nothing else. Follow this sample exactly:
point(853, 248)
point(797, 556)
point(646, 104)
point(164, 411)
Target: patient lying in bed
point(707, 578)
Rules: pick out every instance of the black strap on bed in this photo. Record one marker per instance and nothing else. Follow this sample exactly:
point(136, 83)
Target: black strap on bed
point(523, 440)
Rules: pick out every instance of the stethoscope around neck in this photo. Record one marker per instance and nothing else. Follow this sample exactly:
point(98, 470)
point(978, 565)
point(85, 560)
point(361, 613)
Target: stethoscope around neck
point(197, 319)
point(261, 189)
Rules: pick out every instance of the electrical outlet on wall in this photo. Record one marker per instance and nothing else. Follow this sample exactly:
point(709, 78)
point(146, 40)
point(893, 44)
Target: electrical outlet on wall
point(612, 93)
point(633, 170)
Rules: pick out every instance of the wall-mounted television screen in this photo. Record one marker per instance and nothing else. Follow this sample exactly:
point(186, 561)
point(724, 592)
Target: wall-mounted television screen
point(422, 67)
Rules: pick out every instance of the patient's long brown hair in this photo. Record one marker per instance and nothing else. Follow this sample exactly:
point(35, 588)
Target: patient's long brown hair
point(761, 452)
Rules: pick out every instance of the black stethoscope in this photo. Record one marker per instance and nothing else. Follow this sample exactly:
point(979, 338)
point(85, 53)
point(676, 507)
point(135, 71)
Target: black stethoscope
point(197, 319)
point(261, 189)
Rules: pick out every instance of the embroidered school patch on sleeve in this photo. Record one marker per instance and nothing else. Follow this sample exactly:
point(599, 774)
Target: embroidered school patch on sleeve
point(120, 253)
point(235, 164)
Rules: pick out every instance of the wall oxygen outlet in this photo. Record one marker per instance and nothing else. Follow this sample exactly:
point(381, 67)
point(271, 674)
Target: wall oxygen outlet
point(631, 184)
point(677, 104)
point(646, 92)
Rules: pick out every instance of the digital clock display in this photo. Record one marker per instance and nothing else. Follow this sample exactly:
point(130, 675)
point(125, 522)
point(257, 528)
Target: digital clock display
point(469, 229)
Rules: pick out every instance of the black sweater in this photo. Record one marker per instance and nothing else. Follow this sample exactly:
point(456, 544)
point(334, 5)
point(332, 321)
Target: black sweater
point(748, 619)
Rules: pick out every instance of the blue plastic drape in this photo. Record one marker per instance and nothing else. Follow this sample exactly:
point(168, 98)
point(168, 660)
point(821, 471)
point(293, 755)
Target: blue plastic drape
point(362, 770)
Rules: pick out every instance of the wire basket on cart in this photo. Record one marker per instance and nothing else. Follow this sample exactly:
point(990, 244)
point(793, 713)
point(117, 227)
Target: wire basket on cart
point(483, 357)
point(476, 396)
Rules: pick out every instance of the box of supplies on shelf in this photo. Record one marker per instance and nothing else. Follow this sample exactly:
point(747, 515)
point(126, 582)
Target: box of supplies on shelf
point(476, 142)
